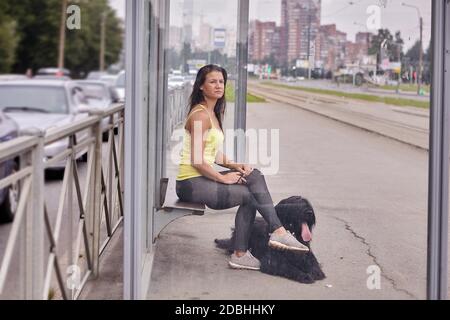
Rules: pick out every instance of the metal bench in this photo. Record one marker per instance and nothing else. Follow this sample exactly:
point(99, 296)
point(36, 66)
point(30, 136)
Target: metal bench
point(170, 201)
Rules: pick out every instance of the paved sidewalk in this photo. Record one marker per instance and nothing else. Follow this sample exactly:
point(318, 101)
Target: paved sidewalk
point(109, 285)
point(359, 183)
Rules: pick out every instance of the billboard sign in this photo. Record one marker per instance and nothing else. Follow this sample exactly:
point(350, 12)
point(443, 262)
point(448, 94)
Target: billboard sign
point(219, 38)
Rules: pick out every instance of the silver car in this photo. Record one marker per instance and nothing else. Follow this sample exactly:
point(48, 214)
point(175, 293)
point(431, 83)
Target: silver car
point(120, 85)
point(100, 95)
point(9, 197)
point(45, 104)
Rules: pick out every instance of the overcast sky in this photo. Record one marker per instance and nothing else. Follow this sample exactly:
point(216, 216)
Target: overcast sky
point(343, 13)
point(119, 6)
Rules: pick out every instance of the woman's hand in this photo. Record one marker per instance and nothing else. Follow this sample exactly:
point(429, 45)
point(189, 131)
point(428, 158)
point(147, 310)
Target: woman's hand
point(244, 169)
point(233, 178)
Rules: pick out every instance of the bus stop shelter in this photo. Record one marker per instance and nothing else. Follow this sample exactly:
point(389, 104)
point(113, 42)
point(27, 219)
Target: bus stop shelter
point(148, 117)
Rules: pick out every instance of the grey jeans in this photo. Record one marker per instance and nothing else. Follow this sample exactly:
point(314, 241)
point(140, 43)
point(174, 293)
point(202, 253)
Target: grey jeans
point(250, 197)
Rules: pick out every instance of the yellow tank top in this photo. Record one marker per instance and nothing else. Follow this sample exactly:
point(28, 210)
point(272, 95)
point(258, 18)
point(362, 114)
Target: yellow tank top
point(214, 139)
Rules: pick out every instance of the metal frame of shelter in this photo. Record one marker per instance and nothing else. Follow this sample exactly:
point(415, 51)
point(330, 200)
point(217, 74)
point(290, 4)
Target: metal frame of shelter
point(146, 35)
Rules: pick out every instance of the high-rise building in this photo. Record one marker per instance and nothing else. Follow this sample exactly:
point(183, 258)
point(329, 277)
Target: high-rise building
point(176, 38)
point(364, 39)
point(205, 40)
point(230, 44)
point(355, 52)
point(300, 23)
point(188, 13)
point(264, 40)
point(331, 47)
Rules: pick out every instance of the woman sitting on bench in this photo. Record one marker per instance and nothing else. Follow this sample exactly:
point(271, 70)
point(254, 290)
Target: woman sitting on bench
point(242, 186)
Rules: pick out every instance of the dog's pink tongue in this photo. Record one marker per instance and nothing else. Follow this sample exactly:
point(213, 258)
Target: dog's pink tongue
point(306, 233)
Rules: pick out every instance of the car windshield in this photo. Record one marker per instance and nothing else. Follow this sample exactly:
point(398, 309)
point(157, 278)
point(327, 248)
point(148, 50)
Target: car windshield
point(50, 99)
point(94, 91)
point(120, 82)
point(95, 75)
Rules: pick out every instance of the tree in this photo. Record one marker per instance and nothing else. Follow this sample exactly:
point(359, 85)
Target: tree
point(38, 23)
point(8, 43)
point(83, 46)
point(8, 38)
point(391, 48)
point(414, 52)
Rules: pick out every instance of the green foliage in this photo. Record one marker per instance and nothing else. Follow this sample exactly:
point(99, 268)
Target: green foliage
point(37, 41)
point(230, 94)
point(414, 53)
point(83, 46)
point(393, 46)
point(8, 43)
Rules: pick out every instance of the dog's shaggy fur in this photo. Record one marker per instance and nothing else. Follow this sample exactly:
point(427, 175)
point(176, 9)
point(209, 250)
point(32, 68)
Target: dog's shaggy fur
point(301, 267)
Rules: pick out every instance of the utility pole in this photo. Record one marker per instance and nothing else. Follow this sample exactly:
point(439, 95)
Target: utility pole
point(419, 74)
point(102, 42)
point(399, 55)
point(62, 35)
point(309, 43)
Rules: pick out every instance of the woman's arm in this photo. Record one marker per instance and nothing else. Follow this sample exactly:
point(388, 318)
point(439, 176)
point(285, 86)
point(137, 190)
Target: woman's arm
point(223, 161)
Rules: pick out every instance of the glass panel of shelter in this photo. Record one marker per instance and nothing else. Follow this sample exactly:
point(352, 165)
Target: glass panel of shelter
point(346, 113)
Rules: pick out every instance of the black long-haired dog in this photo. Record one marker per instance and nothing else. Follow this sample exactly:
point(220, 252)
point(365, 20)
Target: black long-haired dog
point(297, 216)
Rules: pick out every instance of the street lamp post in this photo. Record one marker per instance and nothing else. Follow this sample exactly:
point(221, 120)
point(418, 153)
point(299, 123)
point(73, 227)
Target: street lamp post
point(399, 59)
point(62, 35)
point(399, 56)
point(102, 42)
point(419, 75)
point(309, 44)
point(308, 52)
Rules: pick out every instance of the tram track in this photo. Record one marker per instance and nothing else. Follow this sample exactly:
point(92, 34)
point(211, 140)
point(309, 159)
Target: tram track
point(383, 120)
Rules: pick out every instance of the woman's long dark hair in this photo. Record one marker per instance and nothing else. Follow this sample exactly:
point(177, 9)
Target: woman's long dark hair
point(197, 94)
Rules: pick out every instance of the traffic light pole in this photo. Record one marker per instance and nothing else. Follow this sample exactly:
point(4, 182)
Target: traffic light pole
point(420, 73)
point(240, 108)
point(62, 35)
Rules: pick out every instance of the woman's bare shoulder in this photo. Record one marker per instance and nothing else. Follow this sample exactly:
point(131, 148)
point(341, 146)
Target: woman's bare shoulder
point(201, 116)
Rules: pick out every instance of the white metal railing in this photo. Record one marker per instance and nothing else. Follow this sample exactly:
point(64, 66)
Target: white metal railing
point(89, 216)
point(177, 106)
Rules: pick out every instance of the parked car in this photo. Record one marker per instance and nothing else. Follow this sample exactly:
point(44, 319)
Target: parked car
point(10, 77)
point(109, 78)
point(9, 197)
point(99, 95)
point(50, 77)
point(176, 82)
point(96, 75)
point(191, 79)
point(120, 85)
point(45, 104)
point(53, 72)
